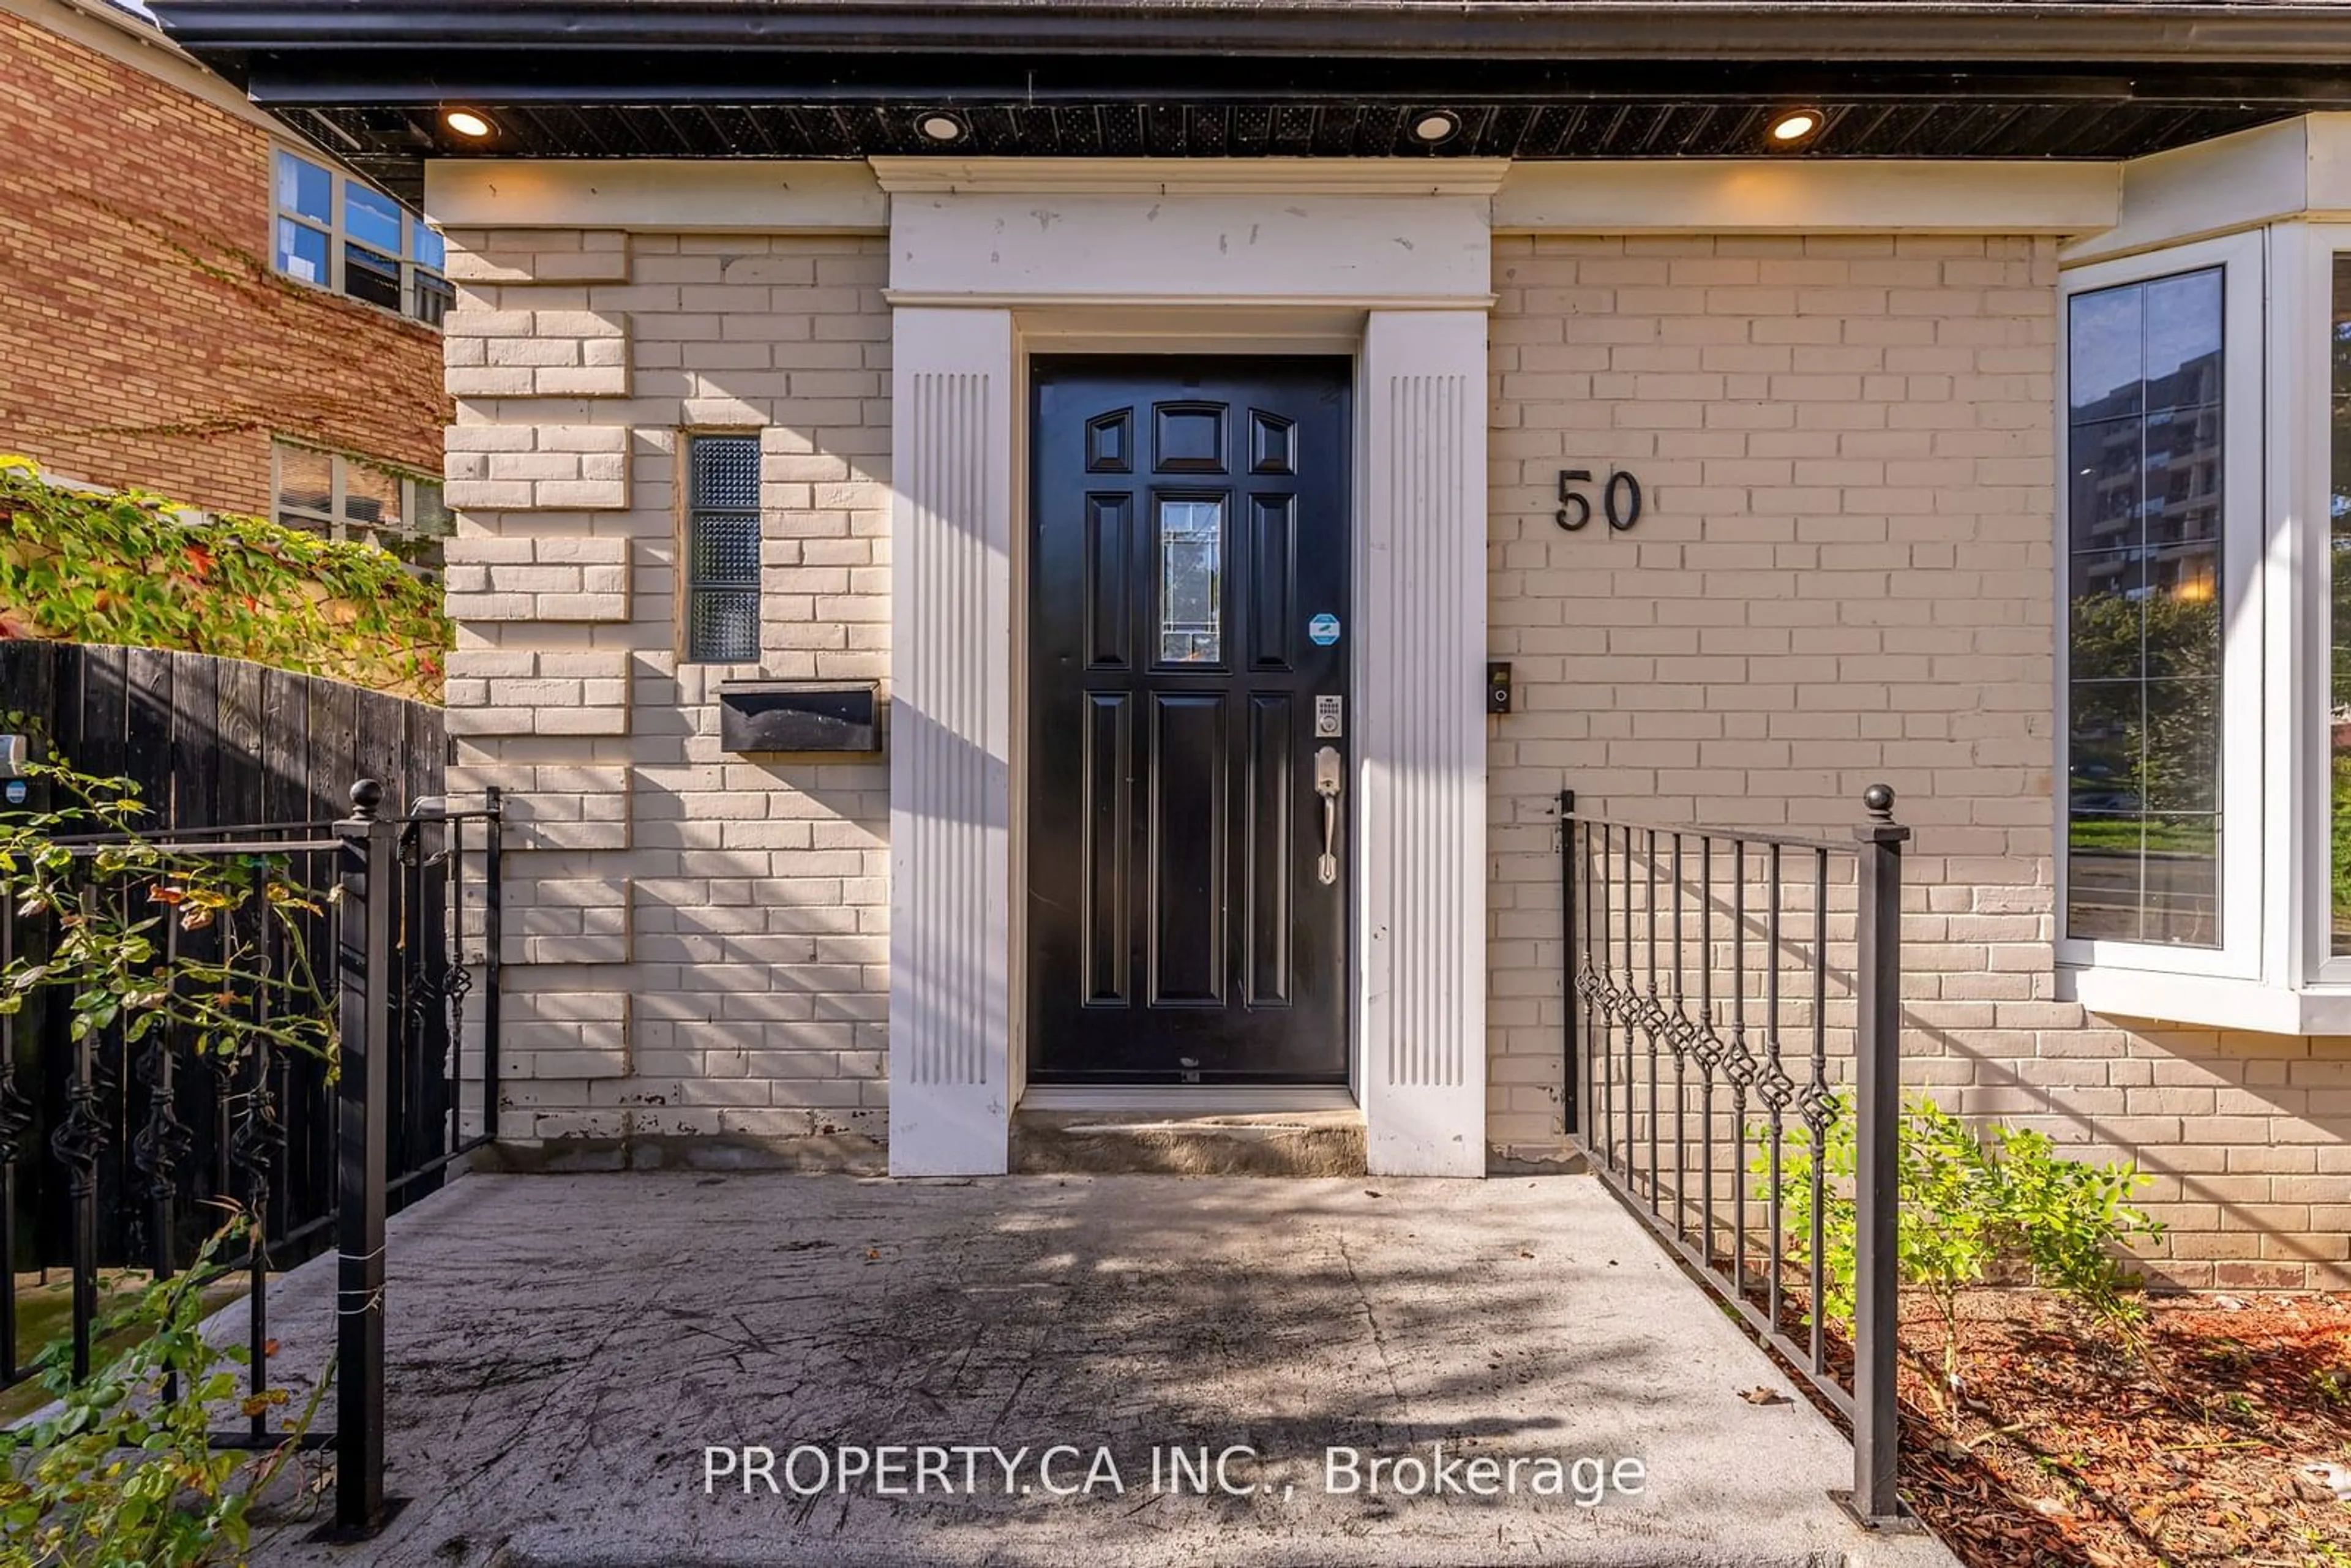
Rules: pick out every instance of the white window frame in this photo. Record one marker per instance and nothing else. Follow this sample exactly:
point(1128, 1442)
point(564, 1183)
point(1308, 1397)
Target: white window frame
point(339, 524)
point(2244, 538)
point(2304, 287)
point(413, 272)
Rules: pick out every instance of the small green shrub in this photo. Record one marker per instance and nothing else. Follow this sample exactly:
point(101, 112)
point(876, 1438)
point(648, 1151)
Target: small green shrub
point(2068, 1219)
point(1971, 1203)
point(122, 1473)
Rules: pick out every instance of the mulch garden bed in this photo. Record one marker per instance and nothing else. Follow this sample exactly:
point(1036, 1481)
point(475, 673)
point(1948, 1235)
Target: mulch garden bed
point(2069, 1450)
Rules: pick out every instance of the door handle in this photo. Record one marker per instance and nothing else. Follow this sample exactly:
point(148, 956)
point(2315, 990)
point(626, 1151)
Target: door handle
point(1327, 785)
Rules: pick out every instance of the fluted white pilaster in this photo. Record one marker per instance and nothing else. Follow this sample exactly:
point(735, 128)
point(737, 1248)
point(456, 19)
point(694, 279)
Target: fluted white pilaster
point(1421, 698)
point(950, 742)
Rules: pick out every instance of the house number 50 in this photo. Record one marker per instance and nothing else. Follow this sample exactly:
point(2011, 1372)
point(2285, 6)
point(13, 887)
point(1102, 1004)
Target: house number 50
point(1620, 499)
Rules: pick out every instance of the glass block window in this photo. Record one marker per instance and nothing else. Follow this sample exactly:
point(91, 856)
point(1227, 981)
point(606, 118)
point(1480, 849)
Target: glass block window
point(1191, 583)
point(335, 233)
point(2143, 441)
point(722, 550)
point(355, 499)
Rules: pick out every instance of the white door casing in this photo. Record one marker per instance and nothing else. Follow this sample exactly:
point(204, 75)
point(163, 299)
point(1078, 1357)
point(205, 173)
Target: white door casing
point(1403, 259)
point(950, 742)
point(1420, 671)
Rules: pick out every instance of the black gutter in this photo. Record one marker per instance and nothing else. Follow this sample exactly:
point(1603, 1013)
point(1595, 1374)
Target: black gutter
point(2085, 33)
point(426, 77)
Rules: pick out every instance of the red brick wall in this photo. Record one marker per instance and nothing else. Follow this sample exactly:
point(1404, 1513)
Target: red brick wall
point(145, 338)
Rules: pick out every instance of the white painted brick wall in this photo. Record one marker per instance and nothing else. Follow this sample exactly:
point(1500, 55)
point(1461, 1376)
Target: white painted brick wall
point(552, 578)
point(1843, 575)
point(535, 466)
point(515, 352)
point(540, 257)
point(698, 941)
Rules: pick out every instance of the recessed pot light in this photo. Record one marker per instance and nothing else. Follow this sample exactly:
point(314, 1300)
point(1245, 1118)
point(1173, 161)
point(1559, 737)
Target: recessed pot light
point(1436, 125)
point(1794, 125)
point(465, 122)
point(941, 128)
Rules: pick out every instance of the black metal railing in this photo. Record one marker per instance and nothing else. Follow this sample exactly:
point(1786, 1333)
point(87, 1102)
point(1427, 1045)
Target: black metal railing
point(1734, 1010)
point(366, 931)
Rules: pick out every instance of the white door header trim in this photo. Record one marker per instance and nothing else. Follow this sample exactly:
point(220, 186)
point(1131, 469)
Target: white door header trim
point(1268, 247)
point(1192, 176)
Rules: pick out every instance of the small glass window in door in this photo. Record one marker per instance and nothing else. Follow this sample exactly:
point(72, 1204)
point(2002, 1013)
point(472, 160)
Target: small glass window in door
point(1191, 583)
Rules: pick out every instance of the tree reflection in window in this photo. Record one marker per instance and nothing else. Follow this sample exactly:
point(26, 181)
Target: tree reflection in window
point(2144, 449)
point(2338, 717)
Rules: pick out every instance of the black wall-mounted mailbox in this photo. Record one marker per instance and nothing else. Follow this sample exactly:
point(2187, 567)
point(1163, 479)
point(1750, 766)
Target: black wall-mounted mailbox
point(799, 716)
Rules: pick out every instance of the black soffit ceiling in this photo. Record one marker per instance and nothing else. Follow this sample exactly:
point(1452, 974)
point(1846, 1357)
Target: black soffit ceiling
point(1241, 78)
point(390, 143)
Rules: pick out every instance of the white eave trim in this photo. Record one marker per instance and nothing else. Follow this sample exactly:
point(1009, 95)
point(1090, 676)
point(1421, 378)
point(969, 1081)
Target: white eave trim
point(2271, 174)
point(1727, 195)
point(1637, 196)
point(664, 194)
point(2206, 1001)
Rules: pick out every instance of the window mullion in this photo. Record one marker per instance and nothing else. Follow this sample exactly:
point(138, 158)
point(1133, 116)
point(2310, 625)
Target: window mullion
point(335, 236)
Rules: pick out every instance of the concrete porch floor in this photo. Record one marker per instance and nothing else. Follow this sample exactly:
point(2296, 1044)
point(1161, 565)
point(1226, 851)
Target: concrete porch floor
point(563, 1348)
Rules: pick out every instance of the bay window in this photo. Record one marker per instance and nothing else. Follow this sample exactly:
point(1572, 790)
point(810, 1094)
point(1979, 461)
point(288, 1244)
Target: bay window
point(2204, 689)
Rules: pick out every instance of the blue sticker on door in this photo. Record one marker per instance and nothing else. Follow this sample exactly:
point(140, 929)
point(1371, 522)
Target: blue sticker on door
point(1323, 630)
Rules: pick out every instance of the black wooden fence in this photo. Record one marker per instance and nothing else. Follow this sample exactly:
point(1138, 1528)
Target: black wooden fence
point(219, 749)
point(214, 742)
point(115, 1154)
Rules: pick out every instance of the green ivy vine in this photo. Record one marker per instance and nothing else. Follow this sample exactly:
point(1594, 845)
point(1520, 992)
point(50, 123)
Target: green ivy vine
point(132, 568)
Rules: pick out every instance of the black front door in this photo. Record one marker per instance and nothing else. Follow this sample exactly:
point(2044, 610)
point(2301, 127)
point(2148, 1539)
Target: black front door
point(1189, 721)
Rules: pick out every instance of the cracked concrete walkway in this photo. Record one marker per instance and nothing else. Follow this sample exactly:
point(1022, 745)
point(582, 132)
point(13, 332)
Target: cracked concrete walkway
point(564, 1348)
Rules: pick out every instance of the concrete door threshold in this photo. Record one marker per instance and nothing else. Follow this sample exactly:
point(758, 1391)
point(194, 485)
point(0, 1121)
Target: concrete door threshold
point(1198, 1100)
point(1158, 1139)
